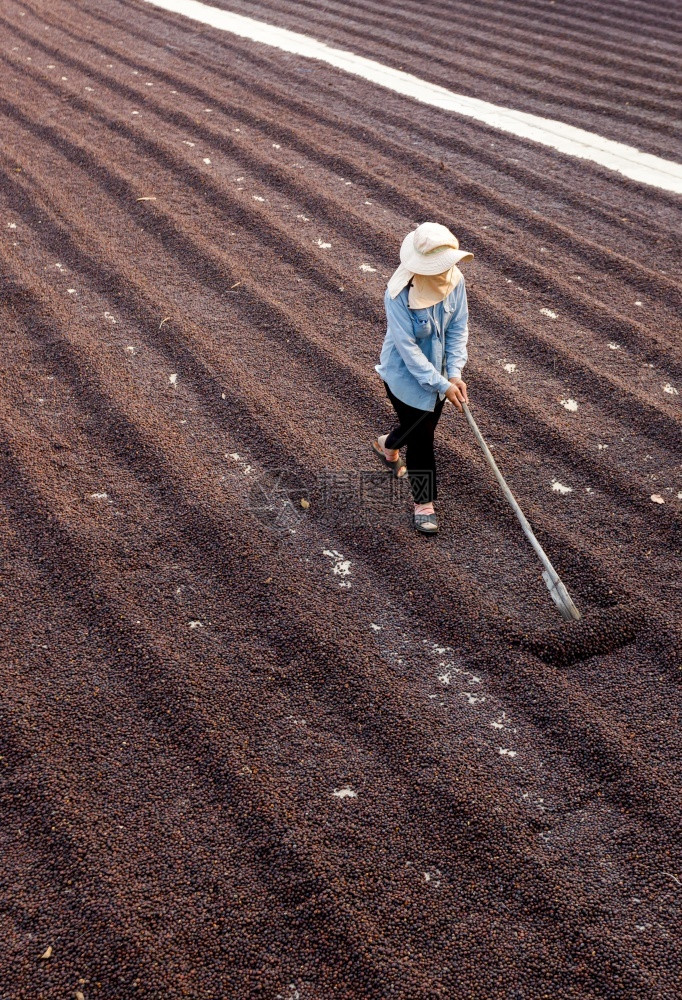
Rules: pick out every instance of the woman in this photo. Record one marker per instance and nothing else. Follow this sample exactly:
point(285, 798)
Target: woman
point(422, 357)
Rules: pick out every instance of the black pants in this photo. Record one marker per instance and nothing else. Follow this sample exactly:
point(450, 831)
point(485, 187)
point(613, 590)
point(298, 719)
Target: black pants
point(416, 429)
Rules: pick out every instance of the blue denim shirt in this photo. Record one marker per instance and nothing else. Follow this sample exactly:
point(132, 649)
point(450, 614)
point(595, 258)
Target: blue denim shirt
point(423, 348)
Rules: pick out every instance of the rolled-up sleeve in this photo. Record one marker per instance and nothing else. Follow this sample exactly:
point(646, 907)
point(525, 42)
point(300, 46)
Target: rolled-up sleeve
point(457, 335)
point(418, 365)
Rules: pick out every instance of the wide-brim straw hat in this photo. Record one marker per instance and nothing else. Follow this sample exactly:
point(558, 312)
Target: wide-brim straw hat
point(429, 249)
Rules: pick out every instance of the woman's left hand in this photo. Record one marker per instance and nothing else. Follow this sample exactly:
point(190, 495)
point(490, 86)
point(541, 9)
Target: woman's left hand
point(461, 387)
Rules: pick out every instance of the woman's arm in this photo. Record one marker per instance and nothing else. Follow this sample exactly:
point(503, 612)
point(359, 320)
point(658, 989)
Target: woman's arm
point(457, 334)
point(418, 365)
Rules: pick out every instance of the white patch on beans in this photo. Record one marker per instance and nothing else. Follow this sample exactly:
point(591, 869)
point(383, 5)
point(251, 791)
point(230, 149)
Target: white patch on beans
point(340, 567)
point(560, 488)
point(472, 698)
point(345, 793)
point(293, 994)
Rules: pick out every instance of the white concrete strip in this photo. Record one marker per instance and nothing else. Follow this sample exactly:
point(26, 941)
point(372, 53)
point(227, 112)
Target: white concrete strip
point(626, 160)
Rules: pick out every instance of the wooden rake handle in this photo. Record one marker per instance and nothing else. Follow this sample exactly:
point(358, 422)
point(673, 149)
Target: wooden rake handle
point(557, 590)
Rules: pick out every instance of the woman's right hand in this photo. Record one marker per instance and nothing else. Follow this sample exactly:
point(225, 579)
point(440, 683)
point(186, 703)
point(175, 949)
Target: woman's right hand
point(457, 393)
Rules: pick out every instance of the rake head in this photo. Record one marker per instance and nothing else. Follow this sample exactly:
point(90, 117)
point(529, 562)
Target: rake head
point(561, 597)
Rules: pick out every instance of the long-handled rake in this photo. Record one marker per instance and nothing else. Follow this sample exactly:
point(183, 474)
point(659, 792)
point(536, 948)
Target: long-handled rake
point(560, 595)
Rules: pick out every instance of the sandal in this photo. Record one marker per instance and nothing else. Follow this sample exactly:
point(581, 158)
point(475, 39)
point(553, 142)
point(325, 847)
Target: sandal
point(397, 467)
point(426, 523)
